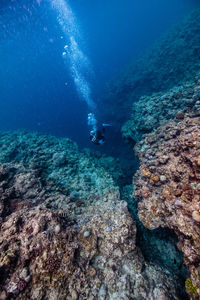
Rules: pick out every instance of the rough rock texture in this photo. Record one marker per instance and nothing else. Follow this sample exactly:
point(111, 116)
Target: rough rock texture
point(150, 112)
point(167, 186)
point(48, 253)
point(58, 165)
point(164, 85)
point(57, 174)
point(158, 246)
point(168, 150)
point(173, 60)
point(56, 245)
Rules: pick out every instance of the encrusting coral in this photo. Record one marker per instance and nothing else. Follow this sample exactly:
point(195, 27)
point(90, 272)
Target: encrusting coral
point(52, 248)
point(58, 165)
point(150, 112)
point(167, 184)
point(163, 89)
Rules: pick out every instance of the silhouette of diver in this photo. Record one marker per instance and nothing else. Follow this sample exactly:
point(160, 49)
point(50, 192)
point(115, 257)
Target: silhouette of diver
point(97, 132)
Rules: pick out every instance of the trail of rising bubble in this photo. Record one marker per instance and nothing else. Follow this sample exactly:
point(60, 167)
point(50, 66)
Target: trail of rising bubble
point(79, 63)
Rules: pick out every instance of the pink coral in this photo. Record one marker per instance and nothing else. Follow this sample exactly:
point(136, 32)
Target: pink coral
point(21, 285)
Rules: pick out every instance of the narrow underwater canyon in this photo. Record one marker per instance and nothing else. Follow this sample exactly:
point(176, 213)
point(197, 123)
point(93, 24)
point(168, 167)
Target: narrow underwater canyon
point(75, 224)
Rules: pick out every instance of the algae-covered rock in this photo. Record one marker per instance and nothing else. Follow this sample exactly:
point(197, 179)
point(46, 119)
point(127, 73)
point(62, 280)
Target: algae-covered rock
point(37, 262)
point(56, 245)
point(173, 152)
point(47, 253)
point(58, 164)
point(150, 112)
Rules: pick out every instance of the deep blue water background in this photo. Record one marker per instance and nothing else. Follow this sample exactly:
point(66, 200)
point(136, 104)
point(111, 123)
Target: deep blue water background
point(36, 88)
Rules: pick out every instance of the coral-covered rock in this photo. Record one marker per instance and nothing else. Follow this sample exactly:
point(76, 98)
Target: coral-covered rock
point(48, 165)
point(56, 245)
point(171, 154)
point(37, 261)
point(150, 112)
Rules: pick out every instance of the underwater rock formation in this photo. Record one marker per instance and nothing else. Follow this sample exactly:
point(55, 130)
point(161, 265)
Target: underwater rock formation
point(150, 112)
point(173, 60)
point(164, 131)
point(58, 164)
point(43, 257)
point(167, 186)
point(55, 245)
point(163, 89)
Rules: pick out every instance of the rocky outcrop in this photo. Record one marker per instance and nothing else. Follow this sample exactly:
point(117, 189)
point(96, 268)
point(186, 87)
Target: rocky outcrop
point(44, 257)
point(150, 112)
point(167, 186)
point(164, 131)
point(55, 245)
point(59, 165)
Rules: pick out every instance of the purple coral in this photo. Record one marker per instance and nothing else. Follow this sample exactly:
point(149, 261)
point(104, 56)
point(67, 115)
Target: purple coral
point(21, 285)
point(53, 263)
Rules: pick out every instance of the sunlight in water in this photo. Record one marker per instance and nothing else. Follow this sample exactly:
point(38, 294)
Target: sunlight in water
point(72, 54)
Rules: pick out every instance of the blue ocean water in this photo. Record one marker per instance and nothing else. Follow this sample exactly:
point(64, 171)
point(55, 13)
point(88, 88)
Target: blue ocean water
point(57, 56)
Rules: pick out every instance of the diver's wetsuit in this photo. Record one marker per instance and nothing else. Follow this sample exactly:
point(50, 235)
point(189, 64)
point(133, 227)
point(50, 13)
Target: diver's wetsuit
point(97, 132)
point(97, 137)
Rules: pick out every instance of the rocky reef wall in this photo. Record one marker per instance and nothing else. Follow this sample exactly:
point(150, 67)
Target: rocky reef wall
point(150, 112)
point(164, 129)
point(160, 98)
point(167, 186)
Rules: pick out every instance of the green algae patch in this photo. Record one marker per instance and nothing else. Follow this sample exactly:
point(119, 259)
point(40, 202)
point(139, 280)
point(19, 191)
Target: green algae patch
point(190, 287)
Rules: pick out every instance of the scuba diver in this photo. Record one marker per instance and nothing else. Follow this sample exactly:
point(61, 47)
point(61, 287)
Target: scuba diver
point(97, 132)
